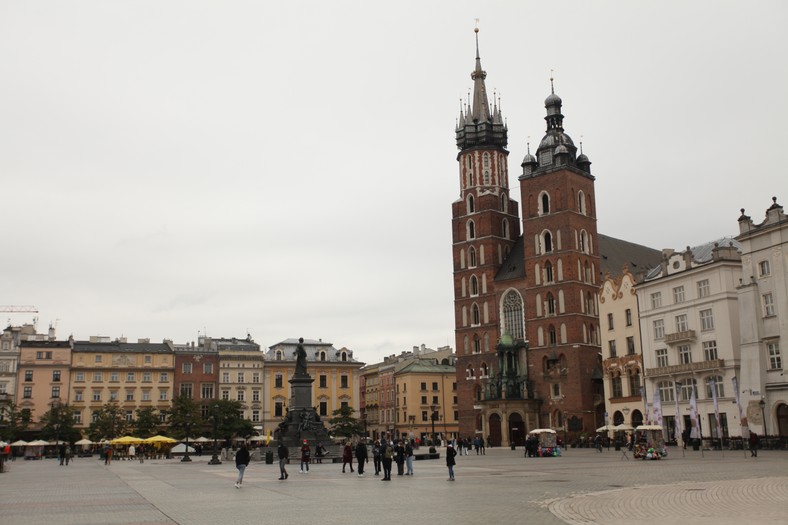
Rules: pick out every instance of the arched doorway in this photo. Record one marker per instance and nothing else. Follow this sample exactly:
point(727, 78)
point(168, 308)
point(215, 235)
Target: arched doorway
point(782, 419)
point(495, 430)
point(516, 429)
point(637, 418)
point(618, 418)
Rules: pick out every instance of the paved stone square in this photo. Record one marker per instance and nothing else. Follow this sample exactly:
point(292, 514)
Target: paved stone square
point(502, 486)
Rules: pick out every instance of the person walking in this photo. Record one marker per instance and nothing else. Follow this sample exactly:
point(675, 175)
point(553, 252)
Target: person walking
point(241, 461)
point(409, 458)
point(61, 453)
point(376, 456)
point(347, 457)
point(753, 444)
point(306, 452)
point(399, 457)
point(450, 461)
point(387, 455)
point(68, 454)
point(598, 442)
point(132, 452)
point(284, 458)
point(361, 457)
point(141, 453)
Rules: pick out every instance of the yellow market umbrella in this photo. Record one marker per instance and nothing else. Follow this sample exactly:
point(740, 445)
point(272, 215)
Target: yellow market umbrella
point(159, 439)
point(126, 440)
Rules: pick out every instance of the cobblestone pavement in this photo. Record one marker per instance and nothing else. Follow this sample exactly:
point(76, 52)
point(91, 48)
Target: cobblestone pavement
point(582, 487)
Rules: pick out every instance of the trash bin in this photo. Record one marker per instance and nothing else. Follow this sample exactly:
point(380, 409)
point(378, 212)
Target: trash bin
point(269, 458)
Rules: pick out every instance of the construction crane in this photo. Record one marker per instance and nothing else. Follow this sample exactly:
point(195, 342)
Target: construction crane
point(19, 309)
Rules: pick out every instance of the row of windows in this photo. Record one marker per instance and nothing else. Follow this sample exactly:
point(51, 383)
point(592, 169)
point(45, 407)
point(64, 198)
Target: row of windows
point(187, 368)
point(684, 354)
point(470, 229)
point(669, 391)
point(630, 347)
point(321, 356)
point(703, 289)
point(544, 203)
point(240, 377)
point(546, 243)
point(470, 205)
point(706, 318)
point(627, 319)
point(114, 377)
point(486, 170)
point(97, 395)
point(633, 382)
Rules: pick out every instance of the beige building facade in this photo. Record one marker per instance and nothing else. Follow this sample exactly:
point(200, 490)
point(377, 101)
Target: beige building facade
point(44, 375)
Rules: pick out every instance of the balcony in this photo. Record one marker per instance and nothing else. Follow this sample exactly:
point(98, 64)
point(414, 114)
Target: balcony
point(680, 337)
point(687, 367)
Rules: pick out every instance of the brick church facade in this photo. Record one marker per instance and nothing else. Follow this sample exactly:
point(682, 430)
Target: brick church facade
point(525, 285)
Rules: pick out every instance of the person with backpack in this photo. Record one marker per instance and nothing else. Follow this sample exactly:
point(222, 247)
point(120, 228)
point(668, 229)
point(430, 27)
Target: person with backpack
point(387, 453)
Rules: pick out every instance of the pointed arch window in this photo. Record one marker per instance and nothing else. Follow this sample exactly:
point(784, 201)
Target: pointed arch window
point(504, 202)
point(550, 304)
point(477, 345)
point(552, 337)
point(484, 371)
point(583, 241)
point(475, 315)
point(471, 230)
point(547, 242)
point(581, 202)
point(513, 315)
point(469, 373)
point(472, 257)
point(544, 203)
point(471, 207)
point(322, 356)
point(486, 168)
point(505, 228)
point(474, 286)
point(548, 272)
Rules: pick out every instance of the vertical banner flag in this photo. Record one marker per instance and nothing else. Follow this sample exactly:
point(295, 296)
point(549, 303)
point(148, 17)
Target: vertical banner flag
point(678, 428)
point(695, 432)
point(713, 386)
point(656, 404)
point(745, 429)
point(645, 404)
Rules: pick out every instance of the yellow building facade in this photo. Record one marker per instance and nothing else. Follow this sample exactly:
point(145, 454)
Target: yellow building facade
point(335, 373)
point(133, 375)
point(44, 373)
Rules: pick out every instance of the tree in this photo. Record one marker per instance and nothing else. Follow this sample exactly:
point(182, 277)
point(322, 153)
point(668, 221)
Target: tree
point(344, 424)
point(59, 424)
point(147, 422)
point(231, 420)
point(15, 421)
point(108, 423)
point(184, 417)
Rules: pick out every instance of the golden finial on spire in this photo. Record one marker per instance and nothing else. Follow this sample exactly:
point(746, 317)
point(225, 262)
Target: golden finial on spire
point(476, 29)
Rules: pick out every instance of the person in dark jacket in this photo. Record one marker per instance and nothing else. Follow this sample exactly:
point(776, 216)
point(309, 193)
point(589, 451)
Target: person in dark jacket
point(409, 458)
point(347, 457)
point(284, 457)
point(753, 444)
point(376, 456)
point(386, 455)
point(241, 461)
point(361, 457)
point(450, 461)
point(399, 457)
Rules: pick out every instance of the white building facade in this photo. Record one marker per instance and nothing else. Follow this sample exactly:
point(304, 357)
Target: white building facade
point(763, 303)
point(689, 321)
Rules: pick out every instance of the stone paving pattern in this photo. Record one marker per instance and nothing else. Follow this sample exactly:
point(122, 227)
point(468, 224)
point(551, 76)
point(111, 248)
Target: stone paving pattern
point(582, 487)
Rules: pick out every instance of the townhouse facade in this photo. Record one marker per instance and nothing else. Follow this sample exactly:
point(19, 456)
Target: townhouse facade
point(763, 308)
point(689, 321)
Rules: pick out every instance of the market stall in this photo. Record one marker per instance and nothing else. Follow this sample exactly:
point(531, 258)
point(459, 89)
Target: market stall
point(546, 441)
point(649, 443)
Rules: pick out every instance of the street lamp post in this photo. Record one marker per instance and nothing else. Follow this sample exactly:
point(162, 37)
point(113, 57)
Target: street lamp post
point(186, 454)
point(762, 404)
point(433, 417)
point(215, 459)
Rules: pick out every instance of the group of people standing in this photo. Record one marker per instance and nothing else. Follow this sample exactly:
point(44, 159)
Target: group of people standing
point(385, 453)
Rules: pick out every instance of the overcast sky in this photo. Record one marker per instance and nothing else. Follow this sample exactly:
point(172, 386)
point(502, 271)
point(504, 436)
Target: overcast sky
point(287, 169)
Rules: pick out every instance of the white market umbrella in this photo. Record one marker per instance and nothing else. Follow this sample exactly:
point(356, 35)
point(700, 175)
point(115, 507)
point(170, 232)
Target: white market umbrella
point(38, 443)
point(83, 442)
point(202, 440)
point(20, 443)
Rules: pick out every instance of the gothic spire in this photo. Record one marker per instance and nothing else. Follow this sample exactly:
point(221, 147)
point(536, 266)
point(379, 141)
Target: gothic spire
point(481, 105)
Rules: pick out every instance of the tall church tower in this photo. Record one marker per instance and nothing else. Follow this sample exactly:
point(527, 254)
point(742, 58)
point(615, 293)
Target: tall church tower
point(485, 226)
point(562, 264)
